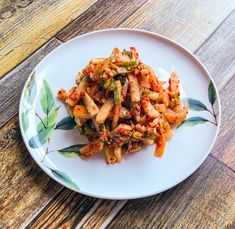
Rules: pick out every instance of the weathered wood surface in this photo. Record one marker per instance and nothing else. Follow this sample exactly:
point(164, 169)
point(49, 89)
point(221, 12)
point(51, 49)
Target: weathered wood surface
point(187, 22)
point(190, 27)
point(25, 25)
point(12, 84)
point(190, 23)
point(102, 15)
point(224, 148)
point(217, 52)
point(72, 210)
point(25, 188)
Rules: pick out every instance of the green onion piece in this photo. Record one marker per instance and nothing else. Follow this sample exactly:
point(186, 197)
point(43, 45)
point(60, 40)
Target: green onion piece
point(116, 96)
point(126, 52)
point(129, 64)
point(88, 130)
point(107, 83)
point(145, 92)
point(101, 127)
point(120, 77)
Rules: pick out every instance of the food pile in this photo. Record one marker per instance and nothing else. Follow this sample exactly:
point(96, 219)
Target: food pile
point(120, 105)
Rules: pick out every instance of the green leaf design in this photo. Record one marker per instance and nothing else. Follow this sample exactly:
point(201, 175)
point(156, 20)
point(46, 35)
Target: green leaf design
point(25, 120)
point(193, 121)
point(211, 93)
point(71, 151)
point(66, 123)
point(49, 120)
point(31, 89)
point(65, 178)
point(41, 138)
point(47, 100)
point(26, 92)
point(195, 105)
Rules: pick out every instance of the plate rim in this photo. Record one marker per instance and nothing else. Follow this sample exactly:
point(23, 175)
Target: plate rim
point(159, 36)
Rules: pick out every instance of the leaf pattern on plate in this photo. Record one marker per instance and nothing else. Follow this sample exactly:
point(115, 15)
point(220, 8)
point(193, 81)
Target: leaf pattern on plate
point(47, 100)
point(49, 120)
point(64, 178)
point(193, 121)
point(71, 151)
point(196, 105)
point(41, 138)
point(66, 123)
point(25, 120)
point(47, 124)
point(31, 89)
point(211, 93)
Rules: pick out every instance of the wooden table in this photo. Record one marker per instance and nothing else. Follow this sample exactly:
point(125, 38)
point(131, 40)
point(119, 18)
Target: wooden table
point(31, 29)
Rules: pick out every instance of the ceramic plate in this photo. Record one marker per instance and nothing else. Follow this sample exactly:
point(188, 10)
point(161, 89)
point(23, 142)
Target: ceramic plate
point(52, 140)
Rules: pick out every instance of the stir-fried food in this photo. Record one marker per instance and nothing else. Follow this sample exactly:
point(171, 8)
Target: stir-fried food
point(120, 105)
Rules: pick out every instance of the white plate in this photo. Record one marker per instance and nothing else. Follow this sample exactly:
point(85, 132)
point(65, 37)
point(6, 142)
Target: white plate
point(140, 174)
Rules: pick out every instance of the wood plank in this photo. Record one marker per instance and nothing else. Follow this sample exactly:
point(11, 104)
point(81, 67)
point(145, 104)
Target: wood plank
point(189, 27)
point(12, 84)
point(205, 200)
point(187, 22)
point(72, 210)
point(66, 211)
point(26, 25)
point(25, 188)
point(225, 145)
point(102, 15)
point(102, 215)
point(217, 53)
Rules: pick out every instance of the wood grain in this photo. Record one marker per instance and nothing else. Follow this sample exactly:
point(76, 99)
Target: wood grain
point(66, 211)
point(224, 148)
point(102, 215)
point(205, 200)
point(12, 84)
point(72, 210)
point(217, 53)
point(26, 24)
point(188, 22)
point(102, 15)
point(25, 188)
